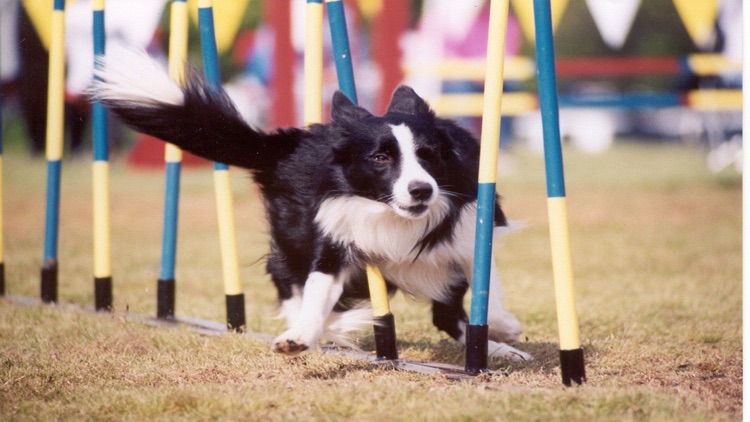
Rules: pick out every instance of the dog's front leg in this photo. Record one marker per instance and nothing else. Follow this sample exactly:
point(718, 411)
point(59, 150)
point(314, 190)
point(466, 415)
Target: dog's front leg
point(320, 294)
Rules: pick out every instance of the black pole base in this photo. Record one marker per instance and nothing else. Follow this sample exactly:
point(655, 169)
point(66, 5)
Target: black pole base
point(2, 278)
point(385, 337)
point(476, 348)
point(103, 294)
point(49, 281)
point(572, 367)
point(165, 289)
point(236, 313)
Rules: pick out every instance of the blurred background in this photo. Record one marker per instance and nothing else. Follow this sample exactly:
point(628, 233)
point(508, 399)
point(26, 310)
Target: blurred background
point(651, 71)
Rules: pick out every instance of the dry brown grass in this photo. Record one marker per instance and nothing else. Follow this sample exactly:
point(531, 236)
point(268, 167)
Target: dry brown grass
point(656, 243)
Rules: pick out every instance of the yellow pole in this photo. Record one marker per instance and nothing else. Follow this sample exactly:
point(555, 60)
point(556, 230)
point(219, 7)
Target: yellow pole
point(313, 78)
point(235, 299)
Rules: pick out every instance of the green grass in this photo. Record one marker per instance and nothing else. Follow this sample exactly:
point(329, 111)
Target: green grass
point(656, 244)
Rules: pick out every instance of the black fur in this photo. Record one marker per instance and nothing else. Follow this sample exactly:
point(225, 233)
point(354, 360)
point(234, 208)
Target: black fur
point(298, 169)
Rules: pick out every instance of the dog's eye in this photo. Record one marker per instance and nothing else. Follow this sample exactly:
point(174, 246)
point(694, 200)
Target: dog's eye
point(426, 154)
point(380, 158)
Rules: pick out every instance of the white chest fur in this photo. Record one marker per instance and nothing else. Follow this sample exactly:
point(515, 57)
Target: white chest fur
point(389, 240)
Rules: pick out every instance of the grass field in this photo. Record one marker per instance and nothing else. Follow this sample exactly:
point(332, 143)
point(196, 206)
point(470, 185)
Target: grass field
point(656, 243)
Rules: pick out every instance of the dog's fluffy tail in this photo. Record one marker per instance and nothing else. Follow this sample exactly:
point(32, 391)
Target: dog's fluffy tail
point(340, 325)
point(197, 117)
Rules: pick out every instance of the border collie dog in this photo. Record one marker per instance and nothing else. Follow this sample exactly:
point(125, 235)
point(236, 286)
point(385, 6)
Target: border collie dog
point(397, 191)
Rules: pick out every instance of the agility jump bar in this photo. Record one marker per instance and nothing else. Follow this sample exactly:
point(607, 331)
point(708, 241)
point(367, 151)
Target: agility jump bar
point(166, 284)
point(100, 181)
point(54, 151)
point(386, 347)
point(235, 299)
point(571, 353)
point(521, 68)
point(517, 103)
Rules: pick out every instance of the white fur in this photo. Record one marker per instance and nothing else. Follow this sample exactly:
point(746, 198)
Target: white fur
point(411, 171)
point(132, 76)
point(320, 294)
point(337, 325)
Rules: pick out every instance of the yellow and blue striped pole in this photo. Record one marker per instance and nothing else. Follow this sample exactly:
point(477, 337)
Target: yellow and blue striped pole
point(102, 259)
point(2, 229)
point(477, 329)
point(165, 291)
point(235, 299)
point(54, 151)
point(385, 325)
point(571, 353)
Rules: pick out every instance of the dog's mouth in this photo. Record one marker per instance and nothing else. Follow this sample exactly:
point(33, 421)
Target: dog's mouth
point(412, 211)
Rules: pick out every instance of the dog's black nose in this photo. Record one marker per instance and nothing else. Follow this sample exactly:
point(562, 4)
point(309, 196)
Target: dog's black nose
point(420, 191)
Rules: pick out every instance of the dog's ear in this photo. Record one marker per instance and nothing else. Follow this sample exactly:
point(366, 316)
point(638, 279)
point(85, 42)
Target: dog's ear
point(406, 101)
point(344, 111)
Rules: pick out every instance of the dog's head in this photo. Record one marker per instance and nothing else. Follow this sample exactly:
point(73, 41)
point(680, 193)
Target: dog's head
point(403, 158)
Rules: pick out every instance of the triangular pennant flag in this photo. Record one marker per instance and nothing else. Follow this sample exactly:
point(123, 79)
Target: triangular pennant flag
point(613, 18)
point(228, 16)
point(699, 17)
point(524, 10)
point(40, 13)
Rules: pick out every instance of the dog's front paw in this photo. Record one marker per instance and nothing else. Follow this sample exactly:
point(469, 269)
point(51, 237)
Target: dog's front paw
point(294, 342)
point(506, 351)
point(289, 347)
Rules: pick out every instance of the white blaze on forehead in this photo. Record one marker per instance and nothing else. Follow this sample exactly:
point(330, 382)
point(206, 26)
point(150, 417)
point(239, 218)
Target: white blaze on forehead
point(411, 170)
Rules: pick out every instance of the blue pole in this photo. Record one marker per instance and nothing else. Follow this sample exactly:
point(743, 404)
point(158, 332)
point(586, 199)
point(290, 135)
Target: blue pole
point(341, 52)
point(571, 353)
point(54, 151)
point(386, 347)
point(102, 264)
point(166, 284)
point(477, 331)
point(235, 299)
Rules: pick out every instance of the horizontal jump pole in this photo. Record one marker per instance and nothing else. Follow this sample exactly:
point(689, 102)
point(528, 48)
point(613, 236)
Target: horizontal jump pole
point(518, 103)
point(521, 68)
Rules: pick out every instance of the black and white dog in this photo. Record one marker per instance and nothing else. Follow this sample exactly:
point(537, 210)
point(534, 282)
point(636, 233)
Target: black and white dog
point(397, 191)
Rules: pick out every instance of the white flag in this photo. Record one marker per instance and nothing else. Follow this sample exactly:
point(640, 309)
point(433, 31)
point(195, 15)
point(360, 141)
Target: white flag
point(613, 18)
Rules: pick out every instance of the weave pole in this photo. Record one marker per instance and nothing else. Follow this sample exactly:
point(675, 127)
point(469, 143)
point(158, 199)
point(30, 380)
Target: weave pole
point(313, 63)
point(477, 329)
point(100, 181)
point(385, 325)
point(745, 201)
point(166, 285)
point(54, 151)
point(2, 229)
point(235, 299)
point(571, 353)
